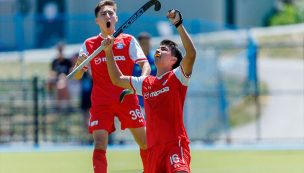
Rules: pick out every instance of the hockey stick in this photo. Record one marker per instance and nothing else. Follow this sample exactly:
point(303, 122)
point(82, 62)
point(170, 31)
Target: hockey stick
point(125, 25)
point(124, 93)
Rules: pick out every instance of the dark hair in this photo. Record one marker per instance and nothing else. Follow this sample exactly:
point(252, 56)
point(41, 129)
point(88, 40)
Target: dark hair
point(175, 51)
point(104, 3)
point(143, 35)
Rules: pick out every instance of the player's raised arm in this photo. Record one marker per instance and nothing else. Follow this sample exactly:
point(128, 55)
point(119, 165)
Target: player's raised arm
point(188, 60)
point(115, 74)
point(145, 68)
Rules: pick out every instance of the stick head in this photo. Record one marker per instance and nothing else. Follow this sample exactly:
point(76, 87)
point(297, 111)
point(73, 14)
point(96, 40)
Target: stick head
point(124, 93)
point(157, 6)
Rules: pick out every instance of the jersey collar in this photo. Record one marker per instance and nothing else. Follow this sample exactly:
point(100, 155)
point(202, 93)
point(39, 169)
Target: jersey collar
point(161, 76)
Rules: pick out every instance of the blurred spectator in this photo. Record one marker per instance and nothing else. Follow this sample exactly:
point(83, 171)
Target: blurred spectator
point(50, 24)
point(85, 98)
point(85, 104)
point(85, 93)
point(57, 82)
point(144, 40)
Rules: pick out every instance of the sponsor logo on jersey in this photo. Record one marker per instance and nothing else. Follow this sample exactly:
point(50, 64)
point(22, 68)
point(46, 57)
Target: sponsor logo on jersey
point(164, 83)
point(104, 59)
point(94, 123)
point(97, 61)
point(119, 58)
point(156, 93)
point(146, 95)
point(119, 46)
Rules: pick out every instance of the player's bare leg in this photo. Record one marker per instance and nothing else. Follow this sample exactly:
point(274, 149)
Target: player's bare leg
point(139, 135)
point(100, 146)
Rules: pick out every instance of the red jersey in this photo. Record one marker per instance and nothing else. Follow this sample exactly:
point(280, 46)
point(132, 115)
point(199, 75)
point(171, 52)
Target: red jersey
point(164, 99)
point(126, 51)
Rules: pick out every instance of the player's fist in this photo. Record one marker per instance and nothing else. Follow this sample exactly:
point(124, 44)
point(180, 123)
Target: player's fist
point(175, 17)
point(81, 58)
point(108, 43)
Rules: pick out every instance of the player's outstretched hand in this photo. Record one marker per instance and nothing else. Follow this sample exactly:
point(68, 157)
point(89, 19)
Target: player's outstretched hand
point(175, 17)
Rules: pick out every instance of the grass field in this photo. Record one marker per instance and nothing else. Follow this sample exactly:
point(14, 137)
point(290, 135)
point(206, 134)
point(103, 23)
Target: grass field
point(129, 162)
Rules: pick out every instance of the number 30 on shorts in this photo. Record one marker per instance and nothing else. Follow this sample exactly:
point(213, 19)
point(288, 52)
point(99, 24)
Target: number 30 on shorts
point(136, 114)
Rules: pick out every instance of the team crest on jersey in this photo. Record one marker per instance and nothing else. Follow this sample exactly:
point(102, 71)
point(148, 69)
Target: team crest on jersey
point(119, 46)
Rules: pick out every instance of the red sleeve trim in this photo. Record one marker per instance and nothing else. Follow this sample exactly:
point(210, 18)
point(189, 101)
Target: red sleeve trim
point(186, 76)
point(141, 60)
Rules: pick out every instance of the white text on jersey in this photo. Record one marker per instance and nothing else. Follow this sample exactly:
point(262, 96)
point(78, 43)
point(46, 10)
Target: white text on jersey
point(156, 93)
point(104, 59)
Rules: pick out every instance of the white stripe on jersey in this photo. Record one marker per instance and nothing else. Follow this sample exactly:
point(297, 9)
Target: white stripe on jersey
point(181, 150)
point(83, 50)
point(181, 76)
point(137, 84)
point(135, 51)
point(138, 81)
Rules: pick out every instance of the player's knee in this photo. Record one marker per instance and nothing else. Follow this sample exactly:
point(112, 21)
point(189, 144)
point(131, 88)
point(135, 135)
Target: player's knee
point(139, 135)
point(142, 144)
point(100, 139)
point(100, 145)
point(144, 147)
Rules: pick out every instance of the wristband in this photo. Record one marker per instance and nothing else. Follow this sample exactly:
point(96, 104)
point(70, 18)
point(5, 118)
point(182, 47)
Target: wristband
point(181, 18)
point(179, 23)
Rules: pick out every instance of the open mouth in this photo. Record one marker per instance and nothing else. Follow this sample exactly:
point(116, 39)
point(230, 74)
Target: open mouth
point(157, 54)
point(108, 24)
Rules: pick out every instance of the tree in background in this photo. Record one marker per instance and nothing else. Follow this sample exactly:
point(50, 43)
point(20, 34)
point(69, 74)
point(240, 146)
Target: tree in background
point(286, 13)
point(300, 5)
